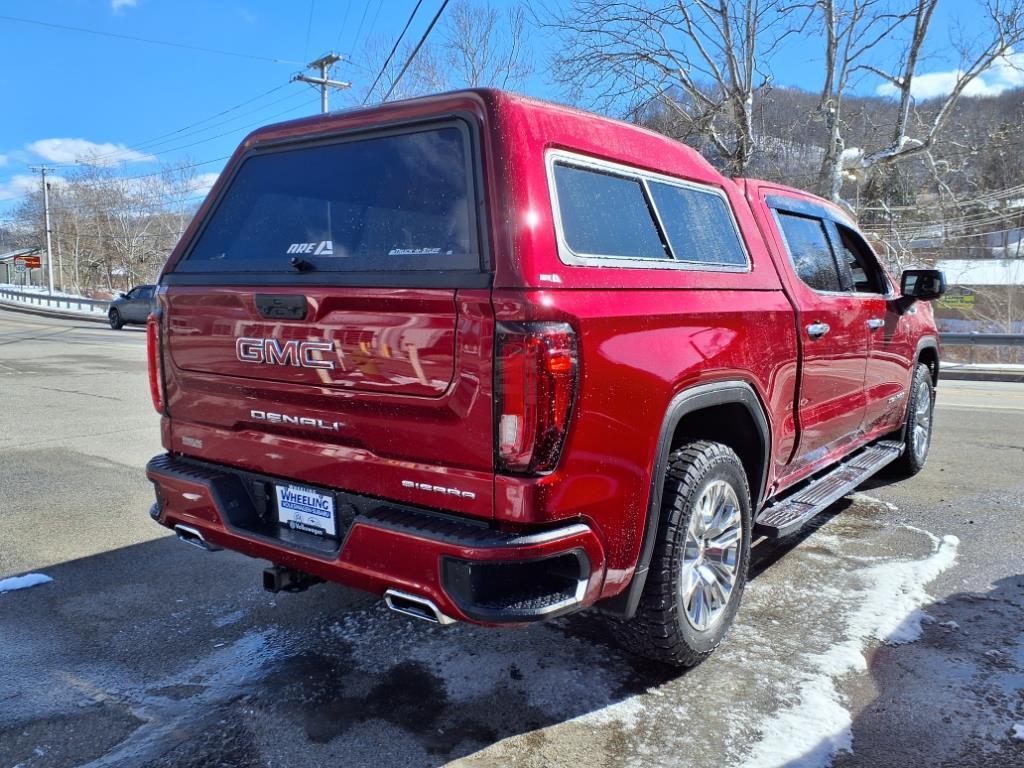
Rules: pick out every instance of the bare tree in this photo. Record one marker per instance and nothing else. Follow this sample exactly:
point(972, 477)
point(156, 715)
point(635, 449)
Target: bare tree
point(703, 60)
point(477, 46)
point(110, 231)
point(483, 47)
point(852, 31)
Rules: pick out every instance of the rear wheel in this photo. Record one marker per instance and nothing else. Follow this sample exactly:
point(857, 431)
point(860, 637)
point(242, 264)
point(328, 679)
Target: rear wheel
point(917, 433)
point(699, 566)
point(115, 320)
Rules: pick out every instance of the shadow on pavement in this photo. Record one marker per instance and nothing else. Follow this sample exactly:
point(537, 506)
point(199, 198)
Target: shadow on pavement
point(950, 699)
point(160, 655)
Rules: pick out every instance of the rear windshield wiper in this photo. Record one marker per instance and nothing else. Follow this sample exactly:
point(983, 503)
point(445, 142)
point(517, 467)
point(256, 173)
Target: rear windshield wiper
point(301, 265)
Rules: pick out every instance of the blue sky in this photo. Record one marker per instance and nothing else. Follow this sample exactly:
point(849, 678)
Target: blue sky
point(67, 92)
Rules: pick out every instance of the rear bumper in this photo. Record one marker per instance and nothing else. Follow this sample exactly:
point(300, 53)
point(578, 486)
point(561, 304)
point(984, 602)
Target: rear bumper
point(471, 571)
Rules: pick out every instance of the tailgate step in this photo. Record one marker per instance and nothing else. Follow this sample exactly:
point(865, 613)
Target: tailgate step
point(789, 514)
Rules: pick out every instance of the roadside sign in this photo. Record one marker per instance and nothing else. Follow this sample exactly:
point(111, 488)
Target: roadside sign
point(21, 263)
point(958, 297)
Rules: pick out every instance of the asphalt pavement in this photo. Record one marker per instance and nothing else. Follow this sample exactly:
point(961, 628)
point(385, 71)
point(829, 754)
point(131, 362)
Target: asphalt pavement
point(890, 633)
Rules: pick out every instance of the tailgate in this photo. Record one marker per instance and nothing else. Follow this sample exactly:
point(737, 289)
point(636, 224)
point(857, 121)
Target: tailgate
point(329, 322)
point(359, 339)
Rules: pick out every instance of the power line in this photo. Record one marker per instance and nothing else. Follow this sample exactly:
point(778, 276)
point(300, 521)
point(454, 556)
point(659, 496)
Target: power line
point(234, 130)
point(953, 225)
point(359, 29)
point(91, 161)
point(980, 197)
point(151, 41)
point(393, 49)
point(373, 22)
point(138, 176)
point(148, 145)
point(344, 21)
point(309, 27)
point(416, 50)
point(215, 116)
point(939, 237)
point(185, 131)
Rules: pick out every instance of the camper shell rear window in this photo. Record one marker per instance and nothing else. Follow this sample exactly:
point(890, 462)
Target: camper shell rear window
point(401, 200)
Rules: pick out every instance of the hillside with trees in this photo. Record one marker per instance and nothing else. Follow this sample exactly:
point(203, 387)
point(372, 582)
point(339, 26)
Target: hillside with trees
point(930, 177)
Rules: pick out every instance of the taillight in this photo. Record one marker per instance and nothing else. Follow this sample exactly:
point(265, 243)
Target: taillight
point(155, 360)
point(536, 367)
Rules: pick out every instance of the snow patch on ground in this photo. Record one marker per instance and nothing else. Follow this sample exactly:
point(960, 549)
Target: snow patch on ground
point(38, 289)
point(809, 733)
point(23, 582)
point(1018, 731)
point(872, 500)
point(229, 618)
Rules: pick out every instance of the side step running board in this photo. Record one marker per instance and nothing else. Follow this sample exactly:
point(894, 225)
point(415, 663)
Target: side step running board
point(785, 516)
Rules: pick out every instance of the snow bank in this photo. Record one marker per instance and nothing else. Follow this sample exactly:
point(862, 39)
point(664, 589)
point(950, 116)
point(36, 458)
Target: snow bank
point(23, 582)
point(38, 289)
point(809, 733)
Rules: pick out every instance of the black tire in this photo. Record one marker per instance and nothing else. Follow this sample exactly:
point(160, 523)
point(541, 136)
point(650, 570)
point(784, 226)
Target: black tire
point(919, 417)
point(662, 629)
point(115, 320)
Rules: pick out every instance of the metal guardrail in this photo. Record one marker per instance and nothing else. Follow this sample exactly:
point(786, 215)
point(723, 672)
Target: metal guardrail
point(54, 302)
point(984, 339)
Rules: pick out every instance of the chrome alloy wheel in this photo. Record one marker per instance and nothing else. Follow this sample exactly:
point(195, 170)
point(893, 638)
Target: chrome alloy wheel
point(711, 555)
point(922, 420)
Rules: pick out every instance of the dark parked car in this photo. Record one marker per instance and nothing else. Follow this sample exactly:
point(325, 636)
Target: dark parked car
point(131, 307)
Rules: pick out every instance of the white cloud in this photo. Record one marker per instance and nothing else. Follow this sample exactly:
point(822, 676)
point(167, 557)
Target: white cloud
point(73, 150)
point(1005, 73)
point(3, 160)
point(23, 184)
point(202, 183)
point(117, 5)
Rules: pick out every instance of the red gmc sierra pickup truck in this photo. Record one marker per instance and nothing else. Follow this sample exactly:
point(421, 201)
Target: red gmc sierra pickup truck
point(498, 360)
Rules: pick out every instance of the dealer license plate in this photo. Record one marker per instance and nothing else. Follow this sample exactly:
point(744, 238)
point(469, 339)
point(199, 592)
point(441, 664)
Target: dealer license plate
point(304, 509)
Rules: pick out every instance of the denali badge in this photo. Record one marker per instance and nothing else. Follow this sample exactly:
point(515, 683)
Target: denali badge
point(438, 489)
point(293, 352)
point(302, 421)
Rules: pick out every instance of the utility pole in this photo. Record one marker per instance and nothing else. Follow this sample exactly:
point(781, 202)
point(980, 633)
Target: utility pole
point(323, 65)
point(46, 215)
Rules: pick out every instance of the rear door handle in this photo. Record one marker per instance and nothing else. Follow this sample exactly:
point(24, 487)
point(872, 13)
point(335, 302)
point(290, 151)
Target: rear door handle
point(817, 330)
point(875, 323)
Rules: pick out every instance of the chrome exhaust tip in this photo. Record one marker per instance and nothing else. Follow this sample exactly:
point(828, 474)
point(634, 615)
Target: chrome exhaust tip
point(416, 607)
point(190, 535)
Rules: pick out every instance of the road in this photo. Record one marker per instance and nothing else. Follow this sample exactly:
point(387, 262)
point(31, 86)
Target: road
point(145, 652)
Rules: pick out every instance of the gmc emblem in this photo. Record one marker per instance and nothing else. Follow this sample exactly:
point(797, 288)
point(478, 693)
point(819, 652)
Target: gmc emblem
point(300, 354)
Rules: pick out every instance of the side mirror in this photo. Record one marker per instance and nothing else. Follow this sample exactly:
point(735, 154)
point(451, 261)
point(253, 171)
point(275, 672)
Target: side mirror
point(123, 295)
point(923, 284)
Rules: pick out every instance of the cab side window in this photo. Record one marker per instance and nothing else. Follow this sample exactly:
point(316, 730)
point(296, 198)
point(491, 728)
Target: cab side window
point(604, 214)
point(809, 251)
point(609, 211)
point(860, 263)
